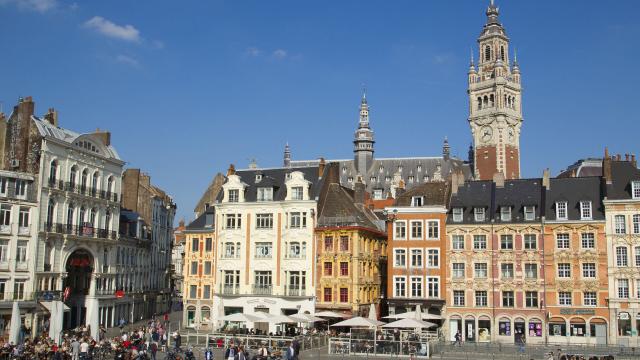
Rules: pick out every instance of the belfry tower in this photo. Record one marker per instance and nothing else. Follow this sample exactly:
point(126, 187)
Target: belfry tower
point(363, 140)
point(495, 98)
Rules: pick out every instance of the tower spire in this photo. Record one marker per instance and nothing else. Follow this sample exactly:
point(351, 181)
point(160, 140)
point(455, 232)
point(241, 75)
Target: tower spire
point(287, 155)
point(363, 139)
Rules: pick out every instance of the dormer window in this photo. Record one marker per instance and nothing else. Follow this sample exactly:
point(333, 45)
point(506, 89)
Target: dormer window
point(505, 213)
point(419, 168)
point(457, 214)
point(258, 177)
point(410, 179)
point(377, 194)
point(344, 169)
point(400, 168)
point(381, 169)
point(288, 176)
point(350, 179)
point(635, 189)
point(372, 179)
point(585, 210)
point(265, 194)
point(478, 214)
point(416, 201)
point(561, 210)
point(297, 193)
point(234, 195)
point(387, 179)
point(529, 213)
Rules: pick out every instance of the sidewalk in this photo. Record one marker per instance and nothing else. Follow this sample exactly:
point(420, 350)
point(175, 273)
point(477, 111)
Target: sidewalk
point(175, 318)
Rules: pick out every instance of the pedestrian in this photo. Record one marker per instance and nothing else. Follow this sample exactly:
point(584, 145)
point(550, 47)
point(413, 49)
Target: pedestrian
point(241, 354)
point(177, 341)
point(153, 348)
point(290, 353)
point(231, 352)
point(458, 338)
point(75, 349)
point(84, 349)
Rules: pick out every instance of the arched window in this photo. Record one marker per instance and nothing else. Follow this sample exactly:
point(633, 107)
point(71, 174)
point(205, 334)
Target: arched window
point(487, 53)
point(485, 101)
point(53, 172)
point(73, 175)
point(92, 217)
point(94, 181)
point(70, 211)
point(110, 184)
point(51, 208)
point(479, 103)
point(492, 100)
point(502, 53)
point(513, 103)
point(205, 314)
point(107, 221)
point(81, 217)
point(83, 181)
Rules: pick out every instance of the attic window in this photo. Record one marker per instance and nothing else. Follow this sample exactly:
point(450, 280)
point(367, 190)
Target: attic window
point(377, 194)
point(561, 210)
point(381, 169)
point(400, 168)
point(529, 213)
point(344, 169)
point(419, 167)
point(457, 214)
point(387, 179)
point(372, 179)
point(410, 179)
point(350, 179)
point(258, 177)
point(265, 194)
point(635, 189)
point(478, 214)
point(505, 213)
point(585, 210)
point(297, 193)
point(288, 176)
point(416, 201)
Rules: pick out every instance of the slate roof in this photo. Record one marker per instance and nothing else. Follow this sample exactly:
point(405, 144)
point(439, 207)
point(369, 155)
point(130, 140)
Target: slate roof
point(583, 167)
point(340, 209)
point(276, 178)
point(206, 221)
point(622, 173)
point(470, 195)
point(433, 193)
point(573, 190)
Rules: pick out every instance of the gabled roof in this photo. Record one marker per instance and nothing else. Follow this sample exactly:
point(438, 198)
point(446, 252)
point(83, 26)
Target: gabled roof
point(433, 193)
point(206, 221)
point(339, 208)
point(573, 190)
point(622, 174)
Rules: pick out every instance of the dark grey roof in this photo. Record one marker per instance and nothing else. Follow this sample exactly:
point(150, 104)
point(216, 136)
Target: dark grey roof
point(276, 178)
point(432, 193)
point(573, 190)
point(470, 195)
point(205, 221)
point(583, 167)
point(340, 209)
point(622, 174)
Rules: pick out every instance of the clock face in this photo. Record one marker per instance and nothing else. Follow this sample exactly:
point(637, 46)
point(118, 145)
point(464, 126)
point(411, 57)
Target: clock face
point(486, 133)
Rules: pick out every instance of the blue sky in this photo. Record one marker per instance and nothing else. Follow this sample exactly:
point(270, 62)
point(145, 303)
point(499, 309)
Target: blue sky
point(187, 87)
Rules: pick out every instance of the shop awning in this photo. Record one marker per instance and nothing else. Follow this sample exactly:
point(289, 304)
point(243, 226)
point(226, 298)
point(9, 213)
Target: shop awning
point(47, 305)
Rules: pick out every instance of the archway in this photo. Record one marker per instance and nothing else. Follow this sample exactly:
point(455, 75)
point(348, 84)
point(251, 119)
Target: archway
point(79, 268)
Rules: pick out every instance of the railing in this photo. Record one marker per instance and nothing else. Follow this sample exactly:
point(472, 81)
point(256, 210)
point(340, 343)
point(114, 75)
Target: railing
point(262, 290)
point(29, 194)
point(295, 256)
point(82, 230)
point(275, 344)
point(294, 291)
point(82, 190)
point(20, 296)
point(470, 350)
point(230, 289)
point(367, 347)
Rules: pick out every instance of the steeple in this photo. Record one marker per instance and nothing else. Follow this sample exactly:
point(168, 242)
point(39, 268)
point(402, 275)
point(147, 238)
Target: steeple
point(446, 149)
point(287, 155)
point(363, 140)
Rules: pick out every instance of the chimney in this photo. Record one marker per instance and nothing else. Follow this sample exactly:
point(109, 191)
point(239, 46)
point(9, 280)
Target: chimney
point(321, 165)
point(498, 178)
point(359, 190)
point(104, 136)
point(618, 157)
point(633, 160)
point(606, 167)
point(400, 189)
point(457, 180)
point(52, 117)
point(546, 182)
point(626, 157)
point(25, 106)
point(231, 170)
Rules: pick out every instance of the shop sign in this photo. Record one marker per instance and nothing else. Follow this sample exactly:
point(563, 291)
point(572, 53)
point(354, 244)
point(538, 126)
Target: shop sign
point(577, 312)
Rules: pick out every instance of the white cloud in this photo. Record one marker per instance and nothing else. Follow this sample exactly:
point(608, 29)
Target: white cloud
point(32, 5)
point(253, 51)
point(110, 29)
point(128, 60)
point(157, 44)
point(280, 54)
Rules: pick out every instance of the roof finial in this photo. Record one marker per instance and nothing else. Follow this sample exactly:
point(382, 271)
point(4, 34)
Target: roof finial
point(364, 93)
point(471, 51)
point(515, 55)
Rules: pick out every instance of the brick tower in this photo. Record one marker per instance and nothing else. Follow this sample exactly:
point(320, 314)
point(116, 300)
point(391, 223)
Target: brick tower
point(495, 112)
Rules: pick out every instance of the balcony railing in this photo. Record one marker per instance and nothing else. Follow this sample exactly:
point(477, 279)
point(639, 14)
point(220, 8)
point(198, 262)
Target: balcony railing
point(20, 295)
point(82, 230)
point(230, 289)
point(294, 291)
point(262, 290)
point(82, 190)
point(295, 256)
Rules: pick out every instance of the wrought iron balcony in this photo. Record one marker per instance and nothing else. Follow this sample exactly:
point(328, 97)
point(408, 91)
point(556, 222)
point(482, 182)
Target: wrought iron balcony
point(80, 230)
point(262, 290)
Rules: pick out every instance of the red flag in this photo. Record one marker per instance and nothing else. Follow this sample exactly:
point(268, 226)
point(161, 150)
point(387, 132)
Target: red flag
point(67, 292)
point(119, 294)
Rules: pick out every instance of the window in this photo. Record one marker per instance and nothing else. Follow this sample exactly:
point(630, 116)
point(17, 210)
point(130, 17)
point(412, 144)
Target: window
point(327, 295)
point(480, 270)
point(433, 287)
point(208, 244)
point(433, 229)
point(18, 289)
point(234, 221)
point(416, 230)
point(481, 298)
point(206, 294)
point(636, 223)
point(377, 194)
point(5, 217)
point(531, 271)
point(479, 242)
point(623, 288)
point(21, 256)
point(263, 281)
point(53, 172)
point(194, 268)
point(195, 244)
point(531, 299)
point(400, 286)
point(457, 214)
point(506, 270)
point(433, 258)
point(620, 224)
point(234, 195)
point(589, 270)
point(3, 186)
point(635, 189)
point(564, 270)
point(487, 53)
point(21, 188)
point(297, 193)
point(3, 285)
point(458, 270)
point(530, 242)
point(264, 221)
point(478, 214)
point(506, 242)
point(298, 220)
point(637, 256)
point(507, 299)
point(400, 230)
point(416, 201)
point(344, 243)
point(193, 291)
point(229, 250)
point(561, 210)
point(589, 298)
point(400, 258)
point(562, 241)
point(505, 213)
point(4, 251)
point(457, 242)
point(23, 217)
point(458, 297)
point(207, 267)
point(344, 268)
point(585, 210)
point(588, 240)
point(416, 286)
point(529, 213)
point(297, 251)
point(328, 268)
point(328, 243)
point(621, 256)
point(265, 194)
point(264, 250)
point(344, 295)
point(416, 258)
